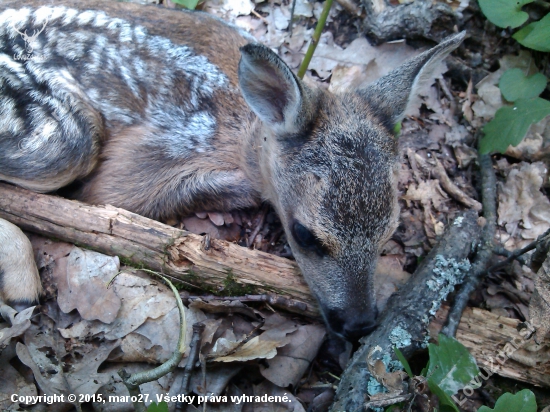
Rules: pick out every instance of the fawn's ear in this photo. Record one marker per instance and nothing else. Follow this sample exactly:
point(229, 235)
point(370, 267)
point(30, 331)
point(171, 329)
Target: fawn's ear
point(270, 88)
point(390, 95)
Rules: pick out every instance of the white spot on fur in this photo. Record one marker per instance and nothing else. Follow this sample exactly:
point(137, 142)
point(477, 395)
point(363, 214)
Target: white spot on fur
point(10, 19)
point(70, 15)
point(101, 19)
point(10, 122)
point(85, 17)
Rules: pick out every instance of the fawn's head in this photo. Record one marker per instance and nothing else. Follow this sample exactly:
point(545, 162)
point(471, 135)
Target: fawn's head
point(328, 162)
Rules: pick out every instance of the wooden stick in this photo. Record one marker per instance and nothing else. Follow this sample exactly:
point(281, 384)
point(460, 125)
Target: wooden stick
point(147, 243)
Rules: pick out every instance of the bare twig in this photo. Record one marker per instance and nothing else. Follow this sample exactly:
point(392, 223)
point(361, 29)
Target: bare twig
point(499, 250)
point(292, 17)
point(446, 183)
point(194, 349)
point(544, 238)
point(271, 299)
point(488, 195)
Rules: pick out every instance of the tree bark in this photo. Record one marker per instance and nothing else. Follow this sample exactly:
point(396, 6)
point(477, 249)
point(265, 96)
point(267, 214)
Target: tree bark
point(143, 242)
point(385, 21)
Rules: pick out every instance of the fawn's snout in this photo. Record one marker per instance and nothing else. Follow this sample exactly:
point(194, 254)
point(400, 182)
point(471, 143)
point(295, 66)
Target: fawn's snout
point(352, 323)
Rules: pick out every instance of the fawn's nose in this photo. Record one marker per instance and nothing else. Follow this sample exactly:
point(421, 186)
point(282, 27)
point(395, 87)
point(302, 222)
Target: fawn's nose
point(352, 324)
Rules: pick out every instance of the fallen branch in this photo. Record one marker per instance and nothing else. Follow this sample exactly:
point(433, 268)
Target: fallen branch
point(489, 198)
point(405, 321)
point(143, 242)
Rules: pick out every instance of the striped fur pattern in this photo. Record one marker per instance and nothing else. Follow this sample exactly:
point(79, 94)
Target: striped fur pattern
point(159, 113)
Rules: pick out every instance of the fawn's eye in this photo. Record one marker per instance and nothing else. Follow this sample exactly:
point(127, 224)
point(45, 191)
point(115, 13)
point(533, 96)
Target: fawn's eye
point(303, 236)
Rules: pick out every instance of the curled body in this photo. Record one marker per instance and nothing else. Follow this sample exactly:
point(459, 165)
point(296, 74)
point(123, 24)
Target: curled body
point(165, 114)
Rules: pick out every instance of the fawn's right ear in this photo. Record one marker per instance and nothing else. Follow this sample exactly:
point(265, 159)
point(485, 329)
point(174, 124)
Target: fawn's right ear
point(391, 94)
point(270, 88)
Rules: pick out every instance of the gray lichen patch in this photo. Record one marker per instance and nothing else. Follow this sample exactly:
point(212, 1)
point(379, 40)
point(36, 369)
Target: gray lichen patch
point(446, 275)
point(458, 221)
point(400, 337)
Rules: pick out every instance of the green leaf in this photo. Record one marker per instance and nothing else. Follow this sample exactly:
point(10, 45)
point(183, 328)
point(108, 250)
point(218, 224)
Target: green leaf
point(403, 361)
point(446, 404)
point(511, 124)
point(523, 401)
point(535, 35)
point(451, 365)
point(505, 13)
point(161, 407)
point(189, 4)
point(515, 85)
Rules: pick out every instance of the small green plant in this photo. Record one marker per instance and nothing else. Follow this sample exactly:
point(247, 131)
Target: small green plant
point(523, 401)
point(188, 4)
point(512, 122)
point(451, 367)
point(161, 407)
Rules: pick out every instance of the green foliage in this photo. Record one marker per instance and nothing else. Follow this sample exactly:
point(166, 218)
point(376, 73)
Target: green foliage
point(446, 404)
point(511, 124)
point(535, 35)
point(161, 407)
point(505, 13)
point(188, 4)
point(515, 85)
point(523, 401)
point(403, 361)
point(451, 365)
point(451, 368)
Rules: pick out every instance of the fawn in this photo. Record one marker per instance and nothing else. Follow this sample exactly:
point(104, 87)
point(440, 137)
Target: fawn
point(167, 113)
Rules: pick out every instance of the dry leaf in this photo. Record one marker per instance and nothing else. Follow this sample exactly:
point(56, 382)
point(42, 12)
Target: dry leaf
point(20, 322)
point(293, 359)
point(81, 277)
point(44, 357)
point(522, 208)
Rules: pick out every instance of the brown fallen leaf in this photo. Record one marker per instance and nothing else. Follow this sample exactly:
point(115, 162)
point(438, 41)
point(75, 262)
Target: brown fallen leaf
point(81, 277)
point(44, 356)
point(276, 329)
point(293, 359)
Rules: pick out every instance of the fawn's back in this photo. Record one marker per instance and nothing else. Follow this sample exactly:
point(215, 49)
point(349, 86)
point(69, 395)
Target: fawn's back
point(157, 112)
point(156, 119)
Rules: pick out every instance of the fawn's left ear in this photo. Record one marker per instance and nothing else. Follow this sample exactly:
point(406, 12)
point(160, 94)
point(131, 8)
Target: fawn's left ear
point(270, 88)
point(391, 93)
